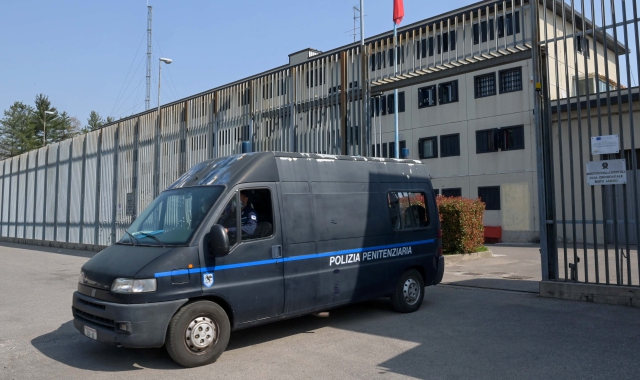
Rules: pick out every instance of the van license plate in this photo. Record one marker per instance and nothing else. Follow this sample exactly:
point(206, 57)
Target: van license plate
point(91, 333)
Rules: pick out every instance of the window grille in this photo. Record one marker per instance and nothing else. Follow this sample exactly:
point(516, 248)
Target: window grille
point(485, 85)
point(511, 80)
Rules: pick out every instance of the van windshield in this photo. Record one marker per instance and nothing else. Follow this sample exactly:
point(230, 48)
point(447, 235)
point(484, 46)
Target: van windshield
point(172, 218)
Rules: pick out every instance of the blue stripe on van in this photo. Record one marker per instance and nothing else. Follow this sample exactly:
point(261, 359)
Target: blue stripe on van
point(294, 258)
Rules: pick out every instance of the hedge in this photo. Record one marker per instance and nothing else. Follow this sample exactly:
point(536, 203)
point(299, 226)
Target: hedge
point(461, 223)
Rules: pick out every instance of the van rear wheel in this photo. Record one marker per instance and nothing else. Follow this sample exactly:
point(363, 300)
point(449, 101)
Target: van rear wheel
point(409, 292)
point(198, 334)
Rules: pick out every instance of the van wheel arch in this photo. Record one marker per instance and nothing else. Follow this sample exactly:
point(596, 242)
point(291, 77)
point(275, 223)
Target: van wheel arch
point(220, 301)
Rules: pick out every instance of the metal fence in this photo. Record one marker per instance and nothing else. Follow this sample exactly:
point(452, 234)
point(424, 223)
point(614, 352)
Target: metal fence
point(587, 57)
point(89, 189)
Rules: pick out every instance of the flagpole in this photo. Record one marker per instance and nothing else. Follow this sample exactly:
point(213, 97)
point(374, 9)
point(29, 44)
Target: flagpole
point(395, 92)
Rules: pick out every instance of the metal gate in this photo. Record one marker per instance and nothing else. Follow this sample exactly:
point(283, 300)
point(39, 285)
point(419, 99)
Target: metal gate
point(587, 116)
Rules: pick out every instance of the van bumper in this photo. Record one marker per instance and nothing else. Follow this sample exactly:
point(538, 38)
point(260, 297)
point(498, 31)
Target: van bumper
point(127, 325)
point(440, 274)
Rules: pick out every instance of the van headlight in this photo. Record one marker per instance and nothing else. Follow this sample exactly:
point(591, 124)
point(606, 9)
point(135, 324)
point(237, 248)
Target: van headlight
point(127, 285)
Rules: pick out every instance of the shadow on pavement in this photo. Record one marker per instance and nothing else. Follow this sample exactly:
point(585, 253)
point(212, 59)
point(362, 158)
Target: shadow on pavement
point(60, 251)
point(66, 345)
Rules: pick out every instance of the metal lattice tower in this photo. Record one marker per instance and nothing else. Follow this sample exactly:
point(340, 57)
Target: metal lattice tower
point(147, 102)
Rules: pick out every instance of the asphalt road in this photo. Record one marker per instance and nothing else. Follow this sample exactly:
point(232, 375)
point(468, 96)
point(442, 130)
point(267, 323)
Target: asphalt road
point(460, 332)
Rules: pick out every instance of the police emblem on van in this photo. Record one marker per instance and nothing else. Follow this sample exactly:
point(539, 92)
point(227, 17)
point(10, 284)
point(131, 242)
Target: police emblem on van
point(207, 279)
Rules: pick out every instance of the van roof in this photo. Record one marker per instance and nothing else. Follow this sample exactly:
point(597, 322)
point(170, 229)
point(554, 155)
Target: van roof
point(263, 167)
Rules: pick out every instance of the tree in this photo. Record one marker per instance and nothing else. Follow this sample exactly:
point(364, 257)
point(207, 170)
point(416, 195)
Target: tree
point(17, 131)
point(59, 125)
point(93, 122)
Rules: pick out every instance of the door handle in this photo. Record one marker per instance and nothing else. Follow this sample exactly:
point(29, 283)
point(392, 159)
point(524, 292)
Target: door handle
point(276, 251)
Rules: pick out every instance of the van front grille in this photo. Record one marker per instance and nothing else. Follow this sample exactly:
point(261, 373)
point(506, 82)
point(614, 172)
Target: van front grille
point(104, 322)
point(87, 303)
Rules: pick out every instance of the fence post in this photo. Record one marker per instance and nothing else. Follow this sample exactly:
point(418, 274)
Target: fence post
point(96, 232)
point(69, 191)
point(116, 149)
point(35, 196)
point(82, 189)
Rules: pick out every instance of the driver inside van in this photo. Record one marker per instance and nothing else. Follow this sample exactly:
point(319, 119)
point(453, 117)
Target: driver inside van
point(249, 218)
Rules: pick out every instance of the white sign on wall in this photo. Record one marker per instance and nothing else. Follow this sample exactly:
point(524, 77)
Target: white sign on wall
point(605, 144)
point(607, 172)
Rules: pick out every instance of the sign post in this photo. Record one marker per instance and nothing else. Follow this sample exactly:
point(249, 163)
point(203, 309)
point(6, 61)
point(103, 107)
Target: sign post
point(607, 172)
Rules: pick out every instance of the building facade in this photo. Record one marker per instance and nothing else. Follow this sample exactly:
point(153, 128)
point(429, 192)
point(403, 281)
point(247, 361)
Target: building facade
point(465, 107)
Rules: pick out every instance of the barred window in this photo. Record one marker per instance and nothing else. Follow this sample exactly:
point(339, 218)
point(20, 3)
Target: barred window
point(485, 85)
point(511, 80)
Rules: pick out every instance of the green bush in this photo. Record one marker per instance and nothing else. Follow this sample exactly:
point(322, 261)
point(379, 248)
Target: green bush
point(461, 223)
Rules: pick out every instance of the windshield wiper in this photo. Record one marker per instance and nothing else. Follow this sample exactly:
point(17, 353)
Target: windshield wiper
point(132, 238)
point(150, 236)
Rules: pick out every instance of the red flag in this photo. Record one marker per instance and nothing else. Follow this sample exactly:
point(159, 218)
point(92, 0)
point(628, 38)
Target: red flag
point(398, 11)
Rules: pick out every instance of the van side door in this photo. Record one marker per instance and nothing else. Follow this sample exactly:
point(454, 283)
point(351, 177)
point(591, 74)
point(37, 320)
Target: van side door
point(251, 276)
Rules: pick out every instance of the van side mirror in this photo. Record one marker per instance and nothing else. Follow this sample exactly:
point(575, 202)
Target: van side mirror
point(218, 241)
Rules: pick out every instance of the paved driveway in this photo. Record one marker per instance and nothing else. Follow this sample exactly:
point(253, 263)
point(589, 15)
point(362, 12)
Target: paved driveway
point(460, 332)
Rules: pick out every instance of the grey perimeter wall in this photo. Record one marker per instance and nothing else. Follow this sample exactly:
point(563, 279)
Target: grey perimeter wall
point(87, 190)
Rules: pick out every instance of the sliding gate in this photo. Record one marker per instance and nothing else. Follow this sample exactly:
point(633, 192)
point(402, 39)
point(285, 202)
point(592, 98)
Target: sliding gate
point(588, 117)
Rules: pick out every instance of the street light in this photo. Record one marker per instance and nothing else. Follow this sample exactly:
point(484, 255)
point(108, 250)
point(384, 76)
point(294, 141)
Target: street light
point(167, 61)
point(44, 129)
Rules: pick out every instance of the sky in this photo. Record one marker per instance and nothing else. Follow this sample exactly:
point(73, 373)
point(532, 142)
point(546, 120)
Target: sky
point(91, 54)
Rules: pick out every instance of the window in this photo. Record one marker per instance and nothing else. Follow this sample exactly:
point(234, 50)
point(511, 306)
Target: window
point(485, 85)
point(628, 156)
point(392, 149)
point(173, 216)
point(384, 150)
point(511, 80)
point(454, 192)
point(506, 138)
point(445, 42)
point(436, 192)
point(476, 34)
point(383, 105)
point(448, 92)
point(509, 25)
point(487, 141)
point(427, 96)
point(391, 104)
point(407, 210)
point(373, 62)
point(428, 147)
point(582, 45)
point(512, 138)
point(400, 59)
point(450, 145)
point(355, 138)
point(490, 195)
point(256, 217)
point(452, 40)
point(431, 46)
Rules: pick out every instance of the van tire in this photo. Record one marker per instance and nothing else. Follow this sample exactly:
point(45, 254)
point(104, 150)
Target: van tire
point(204, 316)
point(409, 292)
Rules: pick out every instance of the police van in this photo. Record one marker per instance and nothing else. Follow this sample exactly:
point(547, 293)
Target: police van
point(250, 239)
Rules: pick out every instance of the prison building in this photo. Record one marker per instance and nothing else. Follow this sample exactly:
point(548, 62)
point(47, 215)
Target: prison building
point(465, 105)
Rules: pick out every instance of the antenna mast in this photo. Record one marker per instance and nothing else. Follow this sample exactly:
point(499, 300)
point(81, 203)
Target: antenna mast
point(147, 102)
point(355, 18)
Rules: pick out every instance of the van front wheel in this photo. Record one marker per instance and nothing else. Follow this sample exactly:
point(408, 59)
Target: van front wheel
point(409, 292)
point(198, 334)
